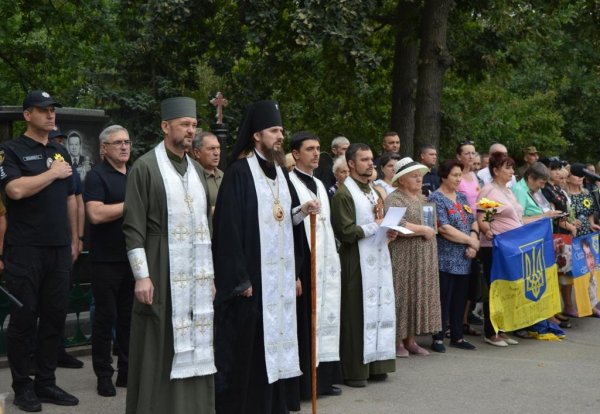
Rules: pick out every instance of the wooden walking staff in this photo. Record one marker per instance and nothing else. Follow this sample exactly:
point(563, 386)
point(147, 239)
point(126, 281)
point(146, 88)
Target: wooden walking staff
point(313, 310)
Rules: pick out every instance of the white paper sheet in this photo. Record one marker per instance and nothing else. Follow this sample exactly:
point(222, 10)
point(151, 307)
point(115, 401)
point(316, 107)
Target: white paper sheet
point(390, 222)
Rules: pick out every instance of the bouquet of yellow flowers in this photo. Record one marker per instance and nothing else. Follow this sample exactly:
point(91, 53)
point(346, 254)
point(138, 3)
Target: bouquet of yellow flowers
point(489, 208)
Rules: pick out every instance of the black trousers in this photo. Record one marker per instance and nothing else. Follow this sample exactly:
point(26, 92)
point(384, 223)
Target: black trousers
point(453, 296)
point(39, 278)
point(112, 286)
point(485, 253)
point(474, 291)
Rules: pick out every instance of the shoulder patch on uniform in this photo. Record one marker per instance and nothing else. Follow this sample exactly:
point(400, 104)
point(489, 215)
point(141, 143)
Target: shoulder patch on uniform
point(1, 156)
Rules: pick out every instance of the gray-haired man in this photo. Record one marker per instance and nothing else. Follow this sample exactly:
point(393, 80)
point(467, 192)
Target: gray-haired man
point(206, 149)
point(112, 279)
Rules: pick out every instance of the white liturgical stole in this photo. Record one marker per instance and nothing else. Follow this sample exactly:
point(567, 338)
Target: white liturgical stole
point(379, 331)
point(328, 284)
point(278, 277)
point(190, 270)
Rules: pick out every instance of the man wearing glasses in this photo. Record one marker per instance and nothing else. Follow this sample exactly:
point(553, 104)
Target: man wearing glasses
point(112, 279)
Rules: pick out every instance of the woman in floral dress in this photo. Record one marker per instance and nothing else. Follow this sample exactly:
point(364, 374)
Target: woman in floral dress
point(414, 263)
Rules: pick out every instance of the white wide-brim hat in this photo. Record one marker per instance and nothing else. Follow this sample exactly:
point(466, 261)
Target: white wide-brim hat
point(407, 165)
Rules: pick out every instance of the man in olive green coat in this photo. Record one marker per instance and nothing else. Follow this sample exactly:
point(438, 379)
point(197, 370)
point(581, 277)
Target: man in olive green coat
point(356, 214)
point(166, 226)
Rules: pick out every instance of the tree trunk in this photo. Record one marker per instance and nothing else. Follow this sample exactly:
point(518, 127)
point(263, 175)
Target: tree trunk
point(434, 59)
point(405, 74)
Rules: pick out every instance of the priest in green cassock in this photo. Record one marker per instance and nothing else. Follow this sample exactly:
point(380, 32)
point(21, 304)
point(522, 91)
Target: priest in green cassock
point(368, 323)
point(256, 256)
point(167, 234)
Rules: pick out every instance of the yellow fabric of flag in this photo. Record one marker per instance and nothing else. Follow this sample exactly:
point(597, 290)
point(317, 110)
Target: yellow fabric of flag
point(524, 281)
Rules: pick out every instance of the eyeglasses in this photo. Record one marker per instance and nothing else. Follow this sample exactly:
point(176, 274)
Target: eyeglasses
point(466, 143)
point(119, 143)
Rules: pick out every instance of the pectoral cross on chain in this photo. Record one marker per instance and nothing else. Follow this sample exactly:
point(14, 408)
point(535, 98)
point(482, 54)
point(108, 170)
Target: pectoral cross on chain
point(189, 200)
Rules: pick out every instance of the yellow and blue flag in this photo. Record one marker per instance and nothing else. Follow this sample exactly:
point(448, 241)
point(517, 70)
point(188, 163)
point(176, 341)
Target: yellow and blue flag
point(524, 280)
point(585, 258)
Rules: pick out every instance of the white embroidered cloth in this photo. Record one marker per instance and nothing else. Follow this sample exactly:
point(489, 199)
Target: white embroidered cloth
point(377, 283)
point(190, 270)
point(328, 284)
point(277, 276)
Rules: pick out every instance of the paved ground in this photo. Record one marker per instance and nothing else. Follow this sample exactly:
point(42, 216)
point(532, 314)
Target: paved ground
point(532, 377)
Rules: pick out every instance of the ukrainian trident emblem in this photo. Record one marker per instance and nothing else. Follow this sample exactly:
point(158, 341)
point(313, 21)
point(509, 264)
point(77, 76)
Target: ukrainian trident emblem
point(534, 269)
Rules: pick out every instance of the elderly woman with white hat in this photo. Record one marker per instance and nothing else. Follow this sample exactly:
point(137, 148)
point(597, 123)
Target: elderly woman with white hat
point(414, 262)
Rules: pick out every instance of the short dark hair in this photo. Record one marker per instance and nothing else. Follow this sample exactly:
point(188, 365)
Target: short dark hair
point(390, 134)
point(537, 171)
point(387, 157)
point(497, 160)
point(354, 148)
point(447, 166)
point(426, 147)
point(299, 137)
point(74, 134)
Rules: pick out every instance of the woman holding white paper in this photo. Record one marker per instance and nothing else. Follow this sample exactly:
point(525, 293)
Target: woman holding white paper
point(414, 262)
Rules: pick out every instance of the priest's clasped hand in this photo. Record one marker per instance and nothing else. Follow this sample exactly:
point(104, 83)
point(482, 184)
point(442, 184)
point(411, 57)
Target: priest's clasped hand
point(311, 207)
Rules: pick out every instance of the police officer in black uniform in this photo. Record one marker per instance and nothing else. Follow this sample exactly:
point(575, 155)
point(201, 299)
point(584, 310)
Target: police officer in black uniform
point(41, 244)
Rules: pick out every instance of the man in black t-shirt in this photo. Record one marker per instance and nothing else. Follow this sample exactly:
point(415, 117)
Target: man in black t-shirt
point(41, 244)
point(112, 279)
point(431, 181)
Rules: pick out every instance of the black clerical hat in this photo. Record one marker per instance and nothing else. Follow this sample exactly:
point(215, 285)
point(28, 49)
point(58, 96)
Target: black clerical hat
point(259, 116)
point(299, 137)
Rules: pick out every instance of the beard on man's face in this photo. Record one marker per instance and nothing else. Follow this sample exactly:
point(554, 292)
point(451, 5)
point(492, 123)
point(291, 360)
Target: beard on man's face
point(182, 143)
point(275, 156)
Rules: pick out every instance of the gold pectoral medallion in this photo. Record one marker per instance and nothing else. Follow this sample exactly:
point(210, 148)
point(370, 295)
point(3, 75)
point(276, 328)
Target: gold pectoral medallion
point(277, 211)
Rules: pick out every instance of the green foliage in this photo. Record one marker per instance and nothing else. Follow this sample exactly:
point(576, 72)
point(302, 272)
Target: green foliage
point(539, 52)
point(487, 112)
point(526, 72)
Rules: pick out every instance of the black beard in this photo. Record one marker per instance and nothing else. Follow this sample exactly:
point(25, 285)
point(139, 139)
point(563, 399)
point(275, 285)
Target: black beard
point(275, 156)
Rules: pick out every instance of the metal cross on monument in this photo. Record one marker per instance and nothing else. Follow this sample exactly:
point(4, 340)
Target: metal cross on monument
point(219, 102)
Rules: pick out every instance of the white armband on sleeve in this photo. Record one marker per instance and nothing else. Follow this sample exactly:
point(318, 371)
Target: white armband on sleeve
point(297, 215)
point(369, 229)
point(138, 263)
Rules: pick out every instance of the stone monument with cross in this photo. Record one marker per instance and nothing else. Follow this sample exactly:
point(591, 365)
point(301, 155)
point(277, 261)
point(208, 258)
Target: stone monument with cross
point(219, 128)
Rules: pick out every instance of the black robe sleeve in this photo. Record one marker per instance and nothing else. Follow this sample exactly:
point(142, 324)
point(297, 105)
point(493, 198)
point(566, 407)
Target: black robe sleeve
point(236, 254)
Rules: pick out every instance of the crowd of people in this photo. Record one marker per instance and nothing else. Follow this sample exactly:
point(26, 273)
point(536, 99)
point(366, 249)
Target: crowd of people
point(205, 280)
